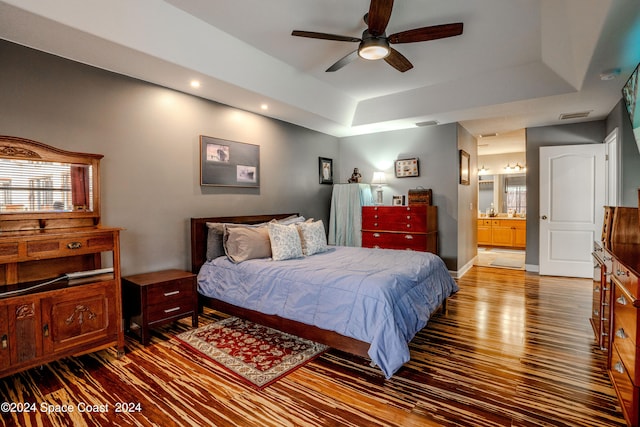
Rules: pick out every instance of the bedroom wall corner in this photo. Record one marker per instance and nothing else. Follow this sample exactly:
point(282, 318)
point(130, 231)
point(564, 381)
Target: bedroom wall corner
point(436, 149)
point(467, 203)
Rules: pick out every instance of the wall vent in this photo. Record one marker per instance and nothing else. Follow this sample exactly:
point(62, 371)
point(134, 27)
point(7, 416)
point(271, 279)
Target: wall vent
point(488, 135)
point(427, 123)
point(579, 115)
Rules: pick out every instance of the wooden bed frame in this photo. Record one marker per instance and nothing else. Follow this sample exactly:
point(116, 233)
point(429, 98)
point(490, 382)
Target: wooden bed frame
point(199, 233)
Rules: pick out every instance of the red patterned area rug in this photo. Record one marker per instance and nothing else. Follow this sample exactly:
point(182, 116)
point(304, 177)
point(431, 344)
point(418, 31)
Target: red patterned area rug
point(254, 353)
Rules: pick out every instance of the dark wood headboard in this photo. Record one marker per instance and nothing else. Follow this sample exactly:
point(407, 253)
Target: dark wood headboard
point(199, 233)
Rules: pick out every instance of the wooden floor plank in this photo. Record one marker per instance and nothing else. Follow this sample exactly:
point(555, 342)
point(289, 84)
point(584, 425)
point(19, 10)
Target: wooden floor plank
point(512, 349)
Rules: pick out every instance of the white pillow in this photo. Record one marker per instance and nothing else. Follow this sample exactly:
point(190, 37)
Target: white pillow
point(313, 237)
point(285, 241)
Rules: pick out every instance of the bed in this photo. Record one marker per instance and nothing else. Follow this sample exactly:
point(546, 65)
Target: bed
point(367, 302)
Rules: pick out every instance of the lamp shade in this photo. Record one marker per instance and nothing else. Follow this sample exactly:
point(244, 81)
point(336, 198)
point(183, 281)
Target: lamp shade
point(378, 178)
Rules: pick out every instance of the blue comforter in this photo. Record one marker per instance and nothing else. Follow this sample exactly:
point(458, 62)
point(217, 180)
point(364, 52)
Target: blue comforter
point(380, 296)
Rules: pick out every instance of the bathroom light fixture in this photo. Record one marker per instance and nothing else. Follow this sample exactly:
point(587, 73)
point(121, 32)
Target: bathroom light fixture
point(379, 180)
point(482, 170)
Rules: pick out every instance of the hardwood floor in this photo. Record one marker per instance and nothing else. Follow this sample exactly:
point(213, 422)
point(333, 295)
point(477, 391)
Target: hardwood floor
point(513, 349)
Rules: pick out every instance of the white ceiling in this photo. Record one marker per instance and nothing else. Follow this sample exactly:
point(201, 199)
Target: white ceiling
point(518, 64)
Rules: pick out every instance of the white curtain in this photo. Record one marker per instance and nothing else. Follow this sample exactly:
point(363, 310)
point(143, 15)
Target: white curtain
point(345, 219)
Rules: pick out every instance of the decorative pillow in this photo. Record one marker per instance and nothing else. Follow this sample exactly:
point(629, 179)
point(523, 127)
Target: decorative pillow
point(285, 241)
point(245, 242)
point(293, 219)
point(215, 234)
point(313, 237)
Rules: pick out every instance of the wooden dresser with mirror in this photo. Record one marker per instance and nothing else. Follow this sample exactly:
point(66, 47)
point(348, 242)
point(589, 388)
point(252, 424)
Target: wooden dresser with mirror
point(60, 290)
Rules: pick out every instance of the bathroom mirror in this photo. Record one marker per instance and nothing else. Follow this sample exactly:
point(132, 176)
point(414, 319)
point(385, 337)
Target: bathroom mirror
point(507, 192)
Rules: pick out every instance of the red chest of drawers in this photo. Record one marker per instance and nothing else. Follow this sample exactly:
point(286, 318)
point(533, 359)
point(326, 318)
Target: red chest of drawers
point(400, 227)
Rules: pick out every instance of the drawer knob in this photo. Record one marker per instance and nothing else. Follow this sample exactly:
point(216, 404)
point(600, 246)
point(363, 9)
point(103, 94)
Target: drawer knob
point(74, 245)
point(376, 234)
point(621, 300)
point(408, 237)
point(621, 334)
point(596, 312)
point(171, 310)
point(408, 225)
point(168, 294)
point(619, 367)
point(596, 289)
point(375, 224)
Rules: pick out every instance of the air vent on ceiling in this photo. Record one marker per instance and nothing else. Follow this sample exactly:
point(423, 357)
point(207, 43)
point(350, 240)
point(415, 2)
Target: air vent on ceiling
point(428, 123)
point(488, 135)
point(579, 115)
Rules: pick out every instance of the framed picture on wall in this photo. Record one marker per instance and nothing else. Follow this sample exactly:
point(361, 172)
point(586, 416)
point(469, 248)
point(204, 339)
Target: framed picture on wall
point(325, 167)
point(229, 163)
point(464, 167)
point(407, 167)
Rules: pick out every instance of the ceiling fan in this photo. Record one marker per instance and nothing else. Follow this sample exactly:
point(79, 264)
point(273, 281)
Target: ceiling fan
point(374, 43)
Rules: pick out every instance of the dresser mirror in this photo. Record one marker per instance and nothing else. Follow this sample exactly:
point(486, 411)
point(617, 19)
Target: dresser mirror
point(40, 183)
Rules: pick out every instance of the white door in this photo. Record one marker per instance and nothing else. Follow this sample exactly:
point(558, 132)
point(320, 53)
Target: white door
point(572, 195)
point(613, 174)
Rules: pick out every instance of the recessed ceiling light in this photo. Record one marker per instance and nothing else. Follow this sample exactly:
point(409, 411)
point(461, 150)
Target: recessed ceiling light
point(195, 83)
point(264, 107)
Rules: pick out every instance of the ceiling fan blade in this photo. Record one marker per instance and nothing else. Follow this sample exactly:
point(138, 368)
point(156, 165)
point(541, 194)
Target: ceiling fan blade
point(378, 16)
point(398, 61)
point(427, 33)
point(342, 62)
point(324, 36)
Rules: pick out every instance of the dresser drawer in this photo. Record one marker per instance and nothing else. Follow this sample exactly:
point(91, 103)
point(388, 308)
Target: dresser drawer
point(9, 251)
point(627, 393)
point(170, 291)
point(68, 246)
point(371, 239)
point(626, 277)
point(395, 219)
point(169, 309)
point(624, 329)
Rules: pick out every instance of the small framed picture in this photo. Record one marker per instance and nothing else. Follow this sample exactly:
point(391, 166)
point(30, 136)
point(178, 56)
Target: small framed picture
point(464, 167)
point(326, 170)
point(407, 167)
point(397, 201)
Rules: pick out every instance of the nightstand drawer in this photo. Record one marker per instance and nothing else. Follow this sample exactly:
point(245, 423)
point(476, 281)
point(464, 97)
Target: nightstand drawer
point(170, 291)
point(169, 309)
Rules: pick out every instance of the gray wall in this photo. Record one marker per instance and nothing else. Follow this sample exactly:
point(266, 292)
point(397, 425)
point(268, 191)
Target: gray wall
point(570, 134)
point(630, 156)
point(468, 203)
point(149, 136)
point(436, 147)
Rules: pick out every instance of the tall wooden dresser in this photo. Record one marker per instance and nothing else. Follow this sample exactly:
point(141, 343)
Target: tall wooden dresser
point(624, 302)
point(56, 299)
point(413, 227)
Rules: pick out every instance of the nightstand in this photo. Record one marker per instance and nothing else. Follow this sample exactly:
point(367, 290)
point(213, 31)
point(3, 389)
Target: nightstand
point(153, 299)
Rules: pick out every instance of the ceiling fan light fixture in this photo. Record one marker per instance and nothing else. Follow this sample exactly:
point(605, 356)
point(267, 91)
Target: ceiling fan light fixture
point(373, 49)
